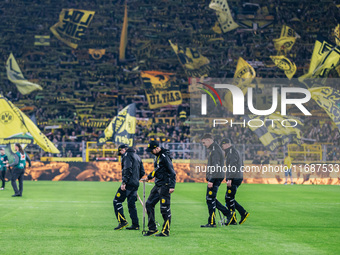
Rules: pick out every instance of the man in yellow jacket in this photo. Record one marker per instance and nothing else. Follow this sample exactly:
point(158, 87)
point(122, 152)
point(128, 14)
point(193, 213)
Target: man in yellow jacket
point(288, 162)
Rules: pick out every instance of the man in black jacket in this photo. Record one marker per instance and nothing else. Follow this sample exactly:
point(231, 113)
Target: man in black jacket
point(165, 181)
point(214, 176)
point(234, 178)
point(132, 172)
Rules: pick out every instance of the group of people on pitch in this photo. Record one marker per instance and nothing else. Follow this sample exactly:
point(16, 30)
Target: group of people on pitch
point(165, 180)
point(18, 169)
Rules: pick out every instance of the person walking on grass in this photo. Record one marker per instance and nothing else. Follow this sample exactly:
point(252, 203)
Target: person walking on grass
point(3, 168)
point(132, 172)
point(18, 171)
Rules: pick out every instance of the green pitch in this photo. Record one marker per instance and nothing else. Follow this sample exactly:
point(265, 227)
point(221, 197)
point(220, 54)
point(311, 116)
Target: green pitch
point(78, 218)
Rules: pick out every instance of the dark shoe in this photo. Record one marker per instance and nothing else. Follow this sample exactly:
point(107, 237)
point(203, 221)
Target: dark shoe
point(230, 218)
point(208, 226)
point(244, 218)
point(16, 195)
point(133, 227)
point(121, 225)
point(163, 234)
point(234, 221)
point(151, 232)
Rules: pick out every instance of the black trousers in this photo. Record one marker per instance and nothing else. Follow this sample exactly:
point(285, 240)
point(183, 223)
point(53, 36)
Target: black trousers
point(159, 194)
point(17, 174)
point(2, 176)
point(231, 203)
point(213, 203)
point(131, 194)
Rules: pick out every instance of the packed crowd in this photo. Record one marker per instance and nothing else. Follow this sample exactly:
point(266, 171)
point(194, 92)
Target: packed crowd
point(79, 88)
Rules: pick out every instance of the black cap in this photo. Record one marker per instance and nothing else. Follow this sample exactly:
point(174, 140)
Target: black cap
point(152, 145)
point(122, 146)
point(226, 141)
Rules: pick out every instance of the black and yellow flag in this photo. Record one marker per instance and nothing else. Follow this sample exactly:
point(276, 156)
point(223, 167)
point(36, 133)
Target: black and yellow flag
point(72, 26)
point(329, 100)
point(243, 76)
point(285, 64)
point(284, 44)
point(122, 128)
point(97, 53)
point(325, 58)
point(224, 16)
point(193, 62)
point(272, 133)
point(286, 41)
point(123, 36)
point(15, 75)
point(41, 40)
point(161, 89)
point(16, 127)
point(287, 31)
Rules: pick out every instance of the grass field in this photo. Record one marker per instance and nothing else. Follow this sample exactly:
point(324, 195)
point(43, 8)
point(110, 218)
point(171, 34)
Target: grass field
point(78, 218)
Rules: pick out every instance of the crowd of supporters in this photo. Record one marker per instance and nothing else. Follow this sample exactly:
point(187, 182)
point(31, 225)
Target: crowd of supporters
point(79, 88)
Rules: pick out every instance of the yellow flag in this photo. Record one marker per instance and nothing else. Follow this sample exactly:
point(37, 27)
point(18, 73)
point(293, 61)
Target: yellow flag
point(223, 15)
point(16, 127)
point(97, 53)
point(194, 63)
point(329, 100)
point(161, 89)
point(123, 36)
point(122, 128)
point(72, 26)
point(272, 134)
point(15, 75)
point(285, 64)
point(243, 76)
point(243, 71)
point(284, 44)
point(325, 58)
point(337, 34)
point(216, 28)
point(287, 31)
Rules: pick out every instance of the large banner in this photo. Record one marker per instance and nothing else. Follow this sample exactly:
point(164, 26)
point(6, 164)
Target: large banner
point(72, 26)
point(15, 75)
point(122, 128)
point(193, 62)
point(161, 89)
point(111, 171)
point(329, 100)
point(16, 127)
point(274, 135)
point(224, 16)
point(285, 64)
